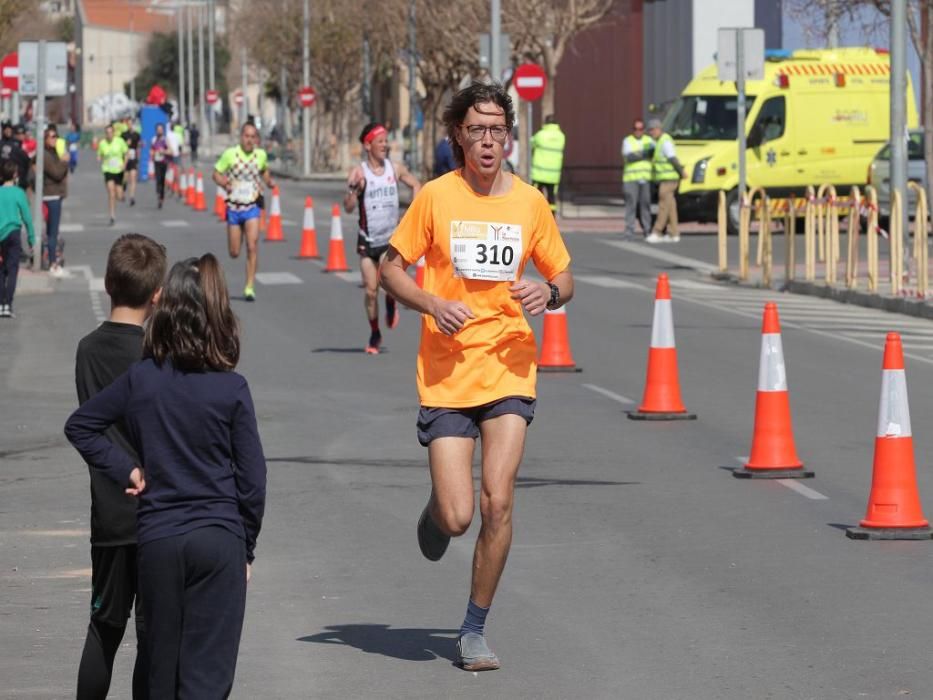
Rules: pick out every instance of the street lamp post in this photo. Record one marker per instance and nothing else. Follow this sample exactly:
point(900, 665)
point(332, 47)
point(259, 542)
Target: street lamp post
point(412, 89)
point(179, 12)
point(306, 76)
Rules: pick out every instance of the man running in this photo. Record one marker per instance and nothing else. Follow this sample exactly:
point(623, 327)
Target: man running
point(477, 227)
point(240, 171)
point(161, 155)
point(112, 152)
point(374, 184)
point(132, 138)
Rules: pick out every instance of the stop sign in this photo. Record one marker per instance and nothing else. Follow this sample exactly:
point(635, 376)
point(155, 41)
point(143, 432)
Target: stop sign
point(211, 96)
point(306, 96)
point(9, 71)
point(238, 97)
point(530, 80)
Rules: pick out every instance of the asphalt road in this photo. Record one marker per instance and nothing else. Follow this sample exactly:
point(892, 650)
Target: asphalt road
point(640, 568)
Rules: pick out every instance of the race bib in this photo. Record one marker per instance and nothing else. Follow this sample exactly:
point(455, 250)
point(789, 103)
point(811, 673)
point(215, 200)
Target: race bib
point(131, 154)
point(483, 250)
point(243, 192)
point(73, 148)
point(115, 163)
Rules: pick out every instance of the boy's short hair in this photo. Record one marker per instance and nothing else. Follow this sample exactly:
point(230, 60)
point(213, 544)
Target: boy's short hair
point(8, 170)
point(135, 270)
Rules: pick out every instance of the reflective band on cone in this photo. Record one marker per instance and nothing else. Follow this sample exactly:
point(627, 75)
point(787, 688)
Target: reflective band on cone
point(555, 353)
point(199, 203)
point(190, 192)
point(274, 233)
point(308, 233)
point(336, 257)
point(182, 184)
point(661, 399)
point(220, 205)
point(894, 511)
point(773, 454)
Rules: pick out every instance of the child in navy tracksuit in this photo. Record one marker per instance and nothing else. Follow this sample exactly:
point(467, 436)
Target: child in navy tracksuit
point(201, 480)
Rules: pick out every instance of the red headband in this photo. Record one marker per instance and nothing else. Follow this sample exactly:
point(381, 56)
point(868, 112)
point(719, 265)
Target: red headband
point(377, 131)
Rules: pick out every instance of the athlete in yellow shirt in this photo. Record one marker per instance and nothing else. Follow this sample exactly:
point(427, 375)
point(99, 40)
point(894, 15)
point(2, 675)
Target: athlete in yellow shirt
point(477, 228)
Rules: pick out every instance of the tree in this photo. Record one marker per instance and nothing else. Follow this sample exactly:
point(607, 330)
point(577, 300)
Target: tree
point(542, 29)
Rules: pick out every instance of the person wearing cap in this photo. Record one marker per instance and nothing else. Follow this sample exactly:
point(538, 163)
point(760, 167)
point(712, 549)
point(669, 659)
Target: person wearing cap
point(373, 185)
point(667, 172)
point(637, 153)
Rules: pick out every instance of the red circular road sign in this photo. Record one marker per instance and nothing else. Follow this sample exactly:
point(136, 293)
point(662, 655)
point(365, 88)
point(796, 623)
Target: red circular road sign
point(238, 97)
point(530, 80)
point(9, 71)
point(306, 96)
point(211, 96)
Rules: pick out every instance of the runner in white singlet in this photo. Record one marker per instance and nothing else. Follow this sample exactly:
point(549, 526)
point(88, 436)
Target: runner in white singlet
point(373, 185)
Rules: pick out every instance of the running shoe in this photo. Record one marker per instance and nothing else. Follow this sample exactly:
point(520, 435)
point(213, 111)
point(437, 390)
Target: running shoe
point(132, 201)
point(475, 654)
point(112, 221)
point(5, 311)
point(654, 237)
point(392, 314)
point(56, 270)
point(375, 340)
point(249, 293)
point(431, 540)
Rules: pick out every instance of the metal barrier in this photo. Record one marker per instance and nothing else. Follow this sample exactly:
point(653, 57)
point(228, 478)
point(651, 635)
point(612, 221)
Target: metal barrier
point(764, 233)
point(920, 239)
point(871, 233)
point(722, 222)
point(809, 236)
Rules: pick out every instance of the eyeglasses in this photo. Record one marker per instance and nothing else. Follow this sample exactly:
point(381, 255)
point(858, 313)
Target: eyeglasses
point(476, 132)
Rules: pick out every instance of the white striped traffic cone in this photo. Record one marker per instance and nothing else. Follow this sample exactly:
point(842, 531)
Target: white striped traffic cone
point(336, 256)
point(773, 454)
point(894, 511)
point(662, 400)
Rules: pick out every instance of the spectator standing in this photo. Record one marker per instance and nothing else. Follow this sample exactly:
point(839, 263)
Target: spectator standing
point(547, 159)
point(54, 191)
point(135, 271)
point(667, 172)
point(194, 137)
point(637, 154)
point(14, 214)
point(444, 160)
point(73, 139)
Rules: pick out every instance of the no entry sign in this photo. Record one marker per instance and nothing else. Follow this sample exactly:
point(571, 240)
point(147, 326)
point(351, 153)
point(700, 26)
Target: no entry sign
point(530, 81)
point(238, 97)
point(211, 96)
point(306, 96)
point(9, 71)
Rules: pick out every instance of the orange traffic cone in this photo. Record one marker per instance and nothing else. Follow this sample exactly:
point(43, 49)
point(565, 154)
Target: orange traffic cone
point(774, 455)
point(308, 233)
point(199, 203)
point(419, 272)
point(894, 511)
point(336, 257)
point(181, 183)
point(220, 205)
point(555, 344)
point(150, 170)
point(170, 180)
point(190, 192)
point(661, 400)
point(274, 233)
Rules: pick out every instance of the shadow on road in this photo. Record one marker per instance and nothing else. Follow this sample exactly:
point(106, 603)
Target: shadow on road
point(530, 482)
point(359, 350)
point(404, 643)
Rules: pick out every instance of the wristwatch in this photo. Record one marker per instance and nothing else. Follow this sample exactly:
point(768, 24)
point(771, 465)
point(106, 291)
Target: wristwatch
point(554, 301)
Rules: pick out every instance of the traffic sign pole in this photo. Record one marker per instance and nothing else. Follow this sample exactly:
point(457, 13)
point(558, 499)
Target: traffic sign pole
point(40, 158)
point(530, 83)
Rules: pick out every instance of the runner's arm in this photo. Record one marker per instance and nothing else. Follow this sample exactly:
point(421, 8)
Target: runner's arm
point(448, 315)
point(406, 176)
point(221, 180)
point(534, 296)
point(267, 178)
point(355, 182)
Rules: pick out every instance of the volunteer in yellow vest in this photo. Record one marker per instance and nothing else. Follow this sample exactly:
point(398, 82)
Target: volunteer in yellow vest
point(112, 152)
point(547, 159)
point(667, 172)
point(477, 228)
point(637, 153)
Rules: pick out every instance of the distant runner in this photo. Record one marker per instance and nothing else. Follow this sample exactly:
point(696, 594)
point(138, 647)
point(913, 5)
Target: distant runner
point(112, 152)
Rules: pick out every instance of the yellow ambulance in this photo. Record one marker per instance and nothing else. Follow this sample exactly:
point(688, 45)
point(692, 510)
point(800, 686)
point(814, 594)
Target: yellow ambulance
point(819, 116)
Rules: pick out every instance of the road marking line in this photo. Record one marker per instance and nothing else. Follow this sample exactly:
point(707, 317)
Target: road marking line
point(673, 258)
point(609, 282)
point(806, 491)
point(70, 228)
point(175, 223)
point(271, 278)
point(693, 284)
point(609, 394)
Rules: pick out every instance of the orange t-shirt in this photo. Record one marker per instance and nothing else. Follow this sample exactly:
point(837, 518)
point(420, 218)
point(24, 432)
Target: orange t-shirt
point(493, 355)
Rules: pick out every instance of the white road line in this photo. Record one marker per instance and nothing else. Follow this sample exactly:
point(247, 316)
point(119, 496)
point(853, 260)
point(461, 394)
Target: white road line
point(609, 282)
point(175, 223)
point(70, 228)
point(270, 278)
point(793, 484)
point(609, 394)
point(348, 276)
point(806, 491)
point(663, 255)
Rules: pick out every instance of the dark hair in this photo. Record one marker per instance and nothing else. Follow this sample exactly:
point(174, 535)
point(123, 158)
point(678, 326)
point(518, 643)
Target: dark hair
point(248, 122)
point(8, 170)
point(549, 119)
point(193, 326)
point(366, 129)
point(475, 94)
point(135, 270)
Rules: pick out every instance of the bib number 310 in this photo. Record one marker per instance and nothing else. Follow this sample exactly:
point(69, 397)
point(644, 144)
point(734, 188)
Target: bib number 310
point(485, 250)
point(490, 254)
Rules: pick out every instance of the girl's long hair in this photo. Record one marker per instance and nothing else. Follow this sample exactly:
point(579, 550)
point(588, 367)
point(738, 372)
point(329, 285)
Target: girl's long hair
point(192, 325)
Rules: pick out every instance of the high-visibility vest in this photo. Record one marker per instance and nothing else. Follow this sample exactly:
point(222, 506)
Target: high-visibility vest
point(663, 170)
point(547, 159)
point(61, 148)
point(639, 170)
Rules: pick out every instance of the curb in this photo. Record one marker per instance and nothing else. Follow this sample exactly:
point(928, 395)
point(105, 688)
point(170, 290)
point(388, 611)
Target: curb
point(900, 305)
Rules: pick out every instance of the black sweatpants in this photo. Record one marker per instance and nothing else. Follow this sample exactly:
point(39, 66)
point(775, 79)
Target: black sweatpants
point(160, 169)
point(193, 590)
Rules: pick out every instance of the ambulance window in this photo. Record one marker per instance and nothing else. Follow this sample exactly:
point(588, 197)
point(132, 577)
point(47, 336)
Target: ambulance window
point(771, 120)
